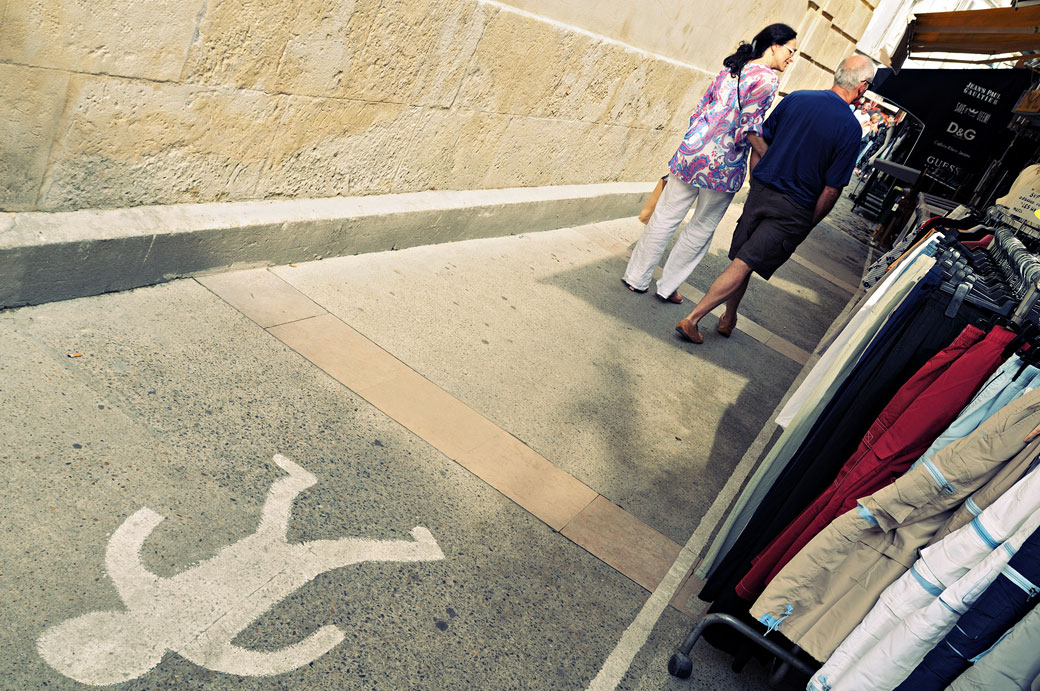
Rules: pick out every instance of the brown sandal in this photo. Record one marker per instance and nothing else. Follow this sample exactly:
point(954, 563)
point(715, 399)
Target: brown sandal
point(725, 328)
point(689, 331)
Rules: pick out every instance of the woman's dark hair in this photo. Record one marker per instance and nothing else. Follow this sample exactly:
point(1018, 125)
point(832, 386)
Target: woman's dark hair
point(772, 35)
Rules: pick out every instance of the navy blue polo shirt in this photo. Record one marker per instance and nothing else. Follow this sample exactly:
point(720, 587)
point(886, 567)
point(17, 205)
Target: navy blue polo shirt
point(814, 140)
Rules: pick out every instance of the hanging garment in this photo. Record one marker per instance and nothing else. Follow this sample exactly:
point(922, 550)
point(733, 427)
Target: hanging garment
point(1012, 594)
point(1010, 381)
point(922, 408)
point(813, 467)
point(902, 250)
point(1012, 664)
point(981, 243)
point(908, 340)
point(901, 627)
point(904, 297)
point(860, 329)
point(909, 643)
point(831, 585)
point(997, 487)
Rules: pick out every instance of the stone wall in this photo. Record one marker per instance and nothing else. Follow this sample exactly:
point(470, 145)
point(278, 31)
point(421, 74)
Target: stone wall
point(118, 103)
point(827, 34)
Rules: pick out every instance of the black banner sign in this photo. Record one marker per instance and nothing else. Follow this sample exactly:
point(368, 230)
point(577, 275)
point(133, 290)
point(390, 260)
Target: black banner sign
point(965, 115)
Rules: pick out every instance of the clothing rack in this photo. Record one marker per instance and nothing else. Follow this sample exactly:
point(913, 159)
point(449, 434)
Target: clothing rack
point(999, 216)
point(1024, 265)
point(680, 665)
point(1020, 267)
point(1027, 305)
point(1019, 270)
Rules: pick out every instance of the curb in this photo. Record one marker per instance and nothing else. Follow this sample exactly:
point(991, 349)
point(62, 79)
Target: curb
point(46, 257)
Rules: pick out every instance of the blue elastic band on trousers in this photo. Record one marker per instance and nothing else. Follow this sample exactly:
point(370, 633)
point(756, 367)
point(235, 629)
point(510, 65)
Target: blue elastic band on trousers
point(984, 534)
point(988, 650)
point(928, 586)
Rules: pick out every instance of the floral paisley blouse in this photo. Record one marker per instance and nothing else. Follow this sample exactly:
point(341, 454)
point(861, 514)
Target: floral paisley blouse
point(714, 152)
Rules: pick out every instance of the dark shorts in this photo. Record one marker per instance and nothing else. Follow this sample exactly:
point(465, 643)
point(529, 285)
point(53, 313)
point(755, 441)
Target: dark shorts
point(769, 229)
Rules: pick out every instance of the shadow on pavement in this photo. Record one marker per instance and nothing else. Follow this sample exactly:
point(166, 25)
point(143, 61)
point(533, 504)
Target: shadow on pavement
point(713, 408)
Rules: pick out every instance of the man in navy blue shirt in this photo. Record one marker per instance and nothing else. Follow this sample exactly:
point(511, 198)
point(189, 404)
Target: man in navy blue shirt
point(800, 164)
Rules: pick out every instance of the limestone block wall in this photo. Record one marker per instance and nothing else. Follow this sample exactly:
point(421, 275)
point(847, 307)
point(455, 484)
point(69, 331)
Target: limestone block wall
point(692, 31)
point(118, 103)
point(827, 35)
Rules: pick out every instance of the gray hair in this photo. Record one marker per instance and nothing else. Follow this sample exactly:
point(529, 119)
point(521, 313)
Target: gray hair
point(852, 71)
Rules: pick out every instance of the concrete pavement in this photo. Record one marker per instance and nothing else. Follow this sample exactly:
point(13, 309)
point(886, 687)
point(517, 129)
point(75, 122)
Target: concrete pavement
point(507, 394)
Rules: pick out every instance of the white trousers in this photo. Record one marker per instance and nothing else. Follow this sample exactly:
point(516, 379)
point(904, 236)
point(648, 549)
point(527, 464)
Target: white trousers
point(693, 242)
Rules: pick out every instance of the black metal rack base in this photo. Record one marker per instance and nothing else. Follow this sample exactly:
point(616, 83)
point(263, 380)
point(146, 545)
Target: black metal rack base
point(680, 665)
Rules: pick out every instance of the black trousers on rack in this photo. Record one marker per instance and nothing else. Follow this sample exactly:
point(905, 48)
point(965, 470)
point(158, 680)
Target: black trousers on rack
point(911, 337)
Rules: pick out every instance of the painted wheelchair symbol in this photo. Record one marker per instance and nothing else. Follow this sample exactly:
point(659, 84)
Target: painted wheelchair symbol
point(198, 612)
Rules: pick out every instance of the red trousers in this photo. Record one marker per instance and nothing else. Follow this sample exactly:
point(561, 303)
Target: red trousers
point(918, 413)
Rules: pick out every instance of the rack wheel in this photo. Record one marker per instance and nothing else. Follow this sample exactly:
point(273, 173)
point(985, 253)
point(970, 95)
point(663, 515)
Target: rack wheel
point(680, 665)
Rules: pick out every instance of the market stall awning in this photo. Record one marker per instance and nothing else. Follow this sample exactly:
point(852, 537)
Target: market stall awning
point(987, 32)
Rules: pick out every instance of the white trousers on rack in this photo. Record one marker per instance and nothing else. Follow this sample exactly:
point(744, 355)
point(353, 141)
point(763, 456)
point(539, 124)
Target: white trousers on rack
point(693, 242)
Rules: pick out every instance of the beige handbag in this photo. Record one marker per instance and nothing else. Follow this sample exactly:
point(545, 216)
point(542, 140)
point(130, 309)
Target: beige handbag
point(651, 203)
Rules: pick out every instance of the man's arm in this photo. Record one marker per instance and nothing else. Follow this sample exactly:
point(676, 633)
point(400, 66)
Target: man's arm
point(825, 203)
point(758, 150)
point(758, 145)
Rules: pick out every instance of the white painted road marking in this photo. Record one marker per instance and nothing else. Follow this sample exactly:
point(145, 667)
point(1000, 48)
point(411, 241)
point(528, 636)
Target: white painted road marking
point(200, 611)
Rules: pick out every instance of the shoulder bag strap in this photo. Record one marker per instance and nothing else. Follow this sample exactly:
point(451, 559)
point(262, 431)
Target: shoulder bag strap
point(740, 106)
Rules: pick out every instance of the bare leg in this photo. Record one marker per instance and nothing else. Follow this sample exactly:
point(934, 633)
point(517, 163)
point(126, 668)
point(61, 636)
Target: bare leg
point(734, 300)
point(728, 320)
point(730, 285)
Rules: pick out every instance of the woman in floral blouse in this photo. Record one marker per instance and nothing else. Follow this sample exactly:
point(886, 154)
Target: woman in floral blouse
point(711, 162)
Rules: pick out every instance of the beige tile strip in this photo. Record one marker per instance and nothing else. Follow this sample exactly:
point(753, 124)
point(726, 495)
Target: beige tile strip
point(787, 349)
point(684, 594)
point(623, 541)
point(752, 329)
point(342, 352)
point(262, 296)
point(529, 479)
point(489, 452)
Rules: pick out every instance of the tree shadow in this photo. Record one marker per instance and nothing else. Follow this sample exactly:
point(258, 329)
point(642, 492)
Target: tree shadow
point(672, 448)
point(673, 451)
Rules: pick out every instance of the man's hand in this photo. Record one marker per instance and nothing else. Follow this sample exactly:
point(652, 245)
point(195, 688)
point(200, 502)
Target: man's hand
point(758, 146)
point(825, 203)
point(758, 149)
